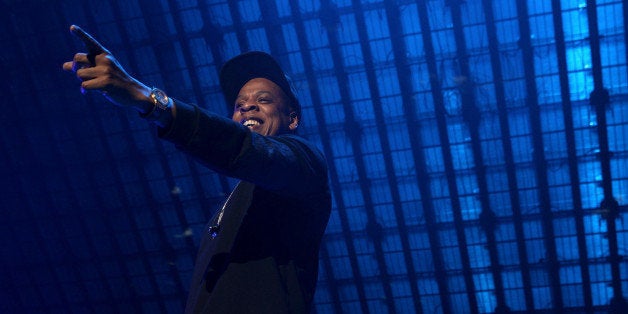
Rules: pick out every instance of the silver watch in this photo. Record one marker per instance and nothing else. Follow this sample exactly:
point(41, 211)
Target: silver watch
point(160, 99)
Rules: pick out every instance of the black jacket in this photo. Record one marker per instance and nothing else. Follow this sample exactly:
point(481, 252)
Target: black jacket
point(264, 259)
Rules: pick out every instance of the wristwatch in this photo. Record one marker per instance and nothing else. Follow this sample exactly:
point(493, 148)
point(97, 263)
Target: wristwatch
point(161, 104)
point(160, 99)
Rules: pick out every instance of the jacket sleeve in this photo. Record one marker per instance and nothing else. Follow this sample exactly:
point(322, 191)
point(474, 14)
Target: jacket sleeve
point(284, 163)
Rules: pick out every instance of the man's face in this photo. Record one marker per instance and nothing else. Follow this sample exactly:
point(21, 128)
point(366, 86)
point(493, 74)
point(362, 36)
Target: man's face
point(263, 107)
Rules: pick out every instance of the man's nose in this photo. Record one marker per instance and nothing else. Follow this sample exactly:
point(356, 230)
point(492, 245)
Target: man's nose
point(248, 106)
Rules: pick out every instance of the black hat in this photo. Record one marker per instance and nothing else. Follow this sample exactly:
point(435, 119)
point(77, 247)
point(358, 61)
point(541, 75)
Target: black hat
point(249, 65)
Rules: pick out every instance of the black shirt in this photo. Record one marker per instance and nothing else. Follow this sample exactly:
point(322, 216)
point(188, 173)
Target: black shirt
point(264, 259)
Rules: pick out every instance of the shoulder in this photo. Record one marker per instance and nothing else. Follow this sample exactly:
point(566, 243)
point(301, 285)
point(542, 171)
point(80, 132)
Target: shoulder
point(302, 147)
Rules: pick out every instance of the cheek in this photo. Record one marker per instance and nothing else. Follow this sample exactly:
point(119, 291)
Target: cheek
point(235, 115)
point(272, 116)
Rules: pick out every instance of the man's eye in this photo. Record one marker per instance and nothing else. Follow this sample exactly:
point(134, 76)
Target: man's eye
point(264, 100)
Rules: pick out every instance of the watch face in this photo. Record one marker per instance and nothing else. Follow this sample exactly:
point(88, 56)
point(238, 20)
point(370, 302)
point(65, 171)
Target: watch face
point(161, 98)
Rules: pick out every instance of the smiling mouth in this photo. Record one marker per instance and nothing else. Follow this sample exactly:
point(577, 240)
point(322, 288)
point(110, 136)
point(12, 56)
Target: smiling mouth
point(250, 123)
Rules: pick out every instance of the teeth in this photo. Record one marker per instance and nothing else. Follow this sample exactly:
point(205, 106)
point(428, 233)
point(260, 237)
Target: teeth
point(250, 123)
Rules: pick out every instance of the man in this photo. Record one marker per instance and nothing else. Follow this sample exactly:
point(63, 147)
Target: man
point(259, 254)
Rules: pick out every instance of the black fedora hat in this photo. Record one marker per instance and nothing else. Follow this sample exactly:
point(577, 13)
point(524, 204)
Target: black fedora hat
point(254, 64)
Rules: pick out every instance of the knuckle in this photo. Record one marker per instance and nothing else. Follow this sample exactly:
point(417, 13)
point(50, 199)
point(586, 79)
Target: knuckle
point(104, 58)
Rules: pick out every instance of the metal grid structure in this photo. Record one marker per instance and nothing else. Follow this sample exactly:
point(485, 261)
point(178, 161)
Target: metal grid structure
point(477, 150)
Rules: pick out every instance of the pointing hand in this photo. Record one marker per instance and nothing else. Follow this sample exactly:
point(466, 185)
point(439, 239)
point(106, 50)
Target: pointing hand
point(99, 70)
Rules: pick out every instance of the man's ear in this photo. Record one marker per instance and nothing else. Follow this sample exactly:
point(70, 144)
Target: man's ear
point(294, 121)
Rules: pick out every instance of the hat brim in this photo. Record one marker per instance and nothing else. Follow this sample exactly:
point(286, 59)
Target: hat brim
point(247, 66)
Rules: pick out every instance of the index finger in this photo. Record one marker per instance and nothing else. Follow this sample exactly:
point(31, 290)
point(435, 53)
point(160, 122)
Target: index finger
point(92, 45)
